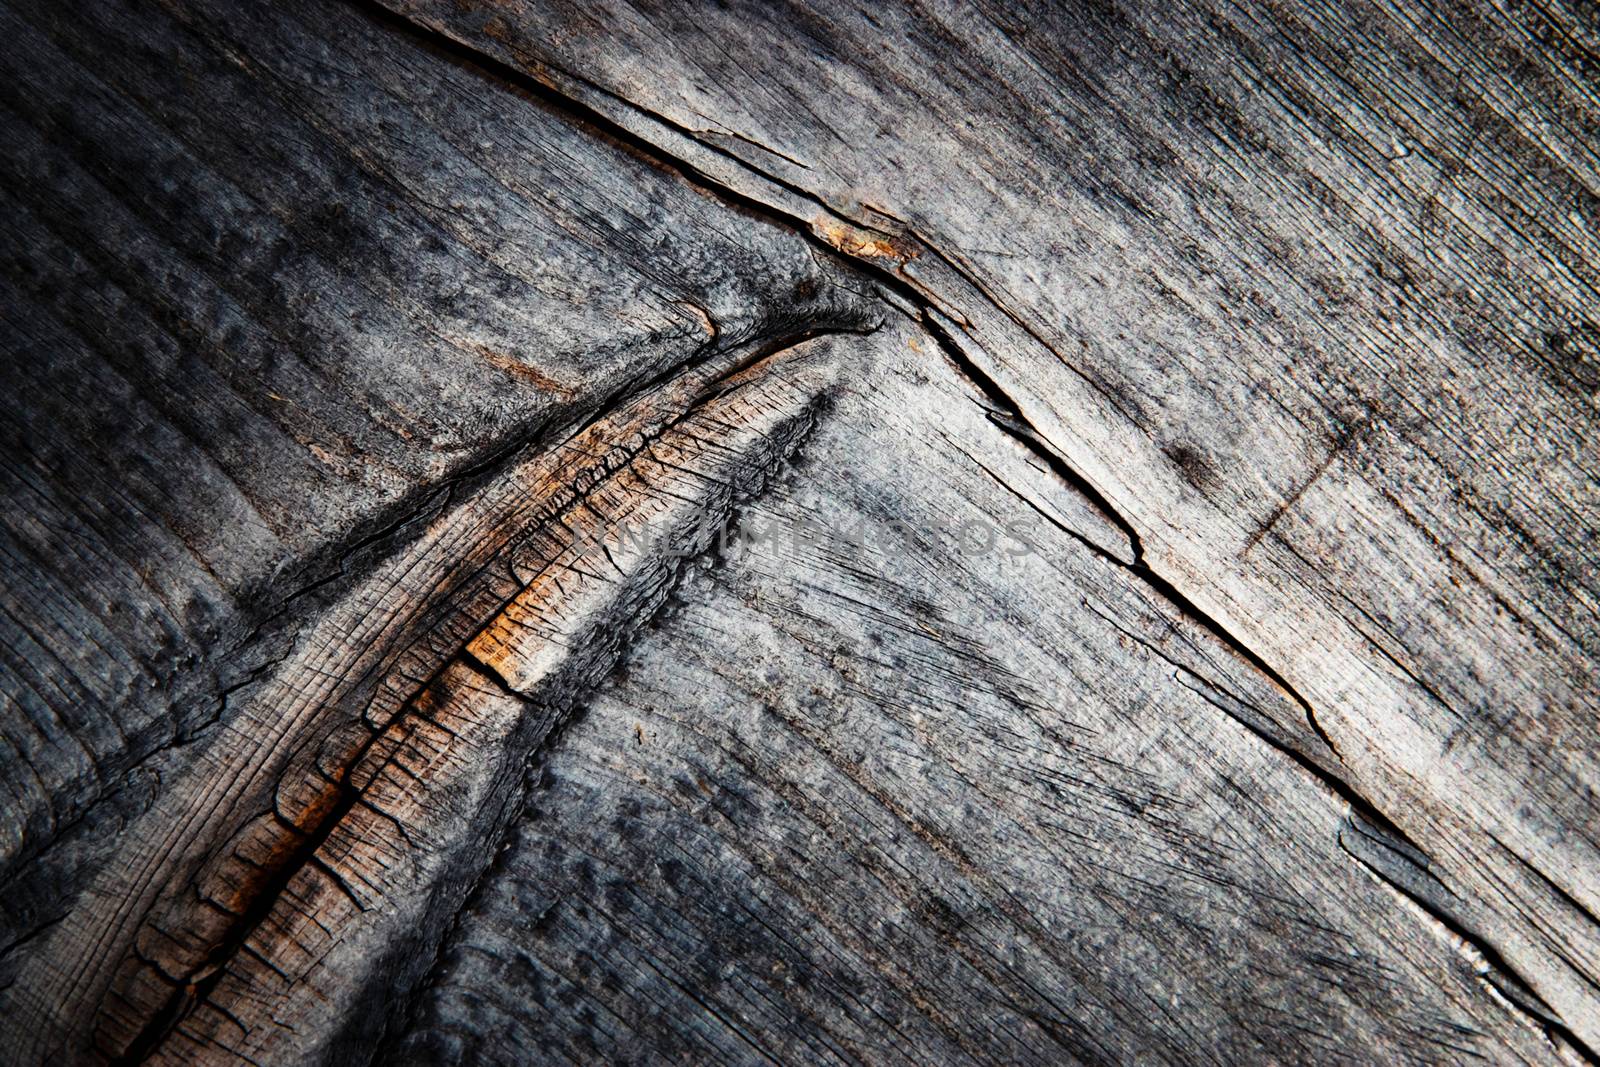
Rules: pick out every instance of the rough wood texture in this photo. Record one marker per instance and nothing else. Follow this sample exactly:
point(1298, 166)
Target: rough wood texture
point(373, 370)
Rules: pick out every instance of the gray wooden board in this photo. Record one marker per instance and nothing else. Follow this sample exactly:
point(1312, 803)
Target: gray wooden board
point(329, 325)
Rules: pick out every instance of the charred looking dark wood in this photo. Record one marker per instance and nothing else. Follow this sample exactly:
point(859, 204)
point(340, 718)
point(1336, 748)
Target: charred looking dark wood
point(379, 372)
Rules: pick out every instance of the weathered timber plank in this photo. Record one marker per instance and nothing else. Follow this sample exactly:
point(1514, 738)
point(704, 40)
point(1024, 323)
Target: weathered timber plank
point(328, 327)
point(1306, 292)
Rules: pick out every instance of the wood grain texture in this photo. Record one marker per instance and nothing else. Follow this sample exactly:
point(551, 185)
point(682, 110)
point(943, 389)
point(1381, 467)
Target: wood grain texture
point(375, 371)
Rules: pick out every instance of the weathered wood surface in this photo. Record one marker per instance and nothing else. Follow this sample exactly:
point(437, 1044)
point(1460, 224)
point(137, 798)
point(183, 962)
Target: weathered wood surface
point(372, 372)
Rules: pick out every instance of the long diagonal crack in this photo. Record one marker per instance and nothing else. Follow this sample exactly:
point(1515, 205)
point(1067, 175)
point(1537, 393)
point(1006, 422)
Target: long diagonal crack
point(872, 251)
point(928, 315)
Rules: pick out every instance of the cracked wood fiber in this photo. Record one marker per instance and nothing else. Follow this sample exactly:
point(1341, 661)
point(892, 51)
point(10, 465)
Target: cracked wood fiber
point(381, 382)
